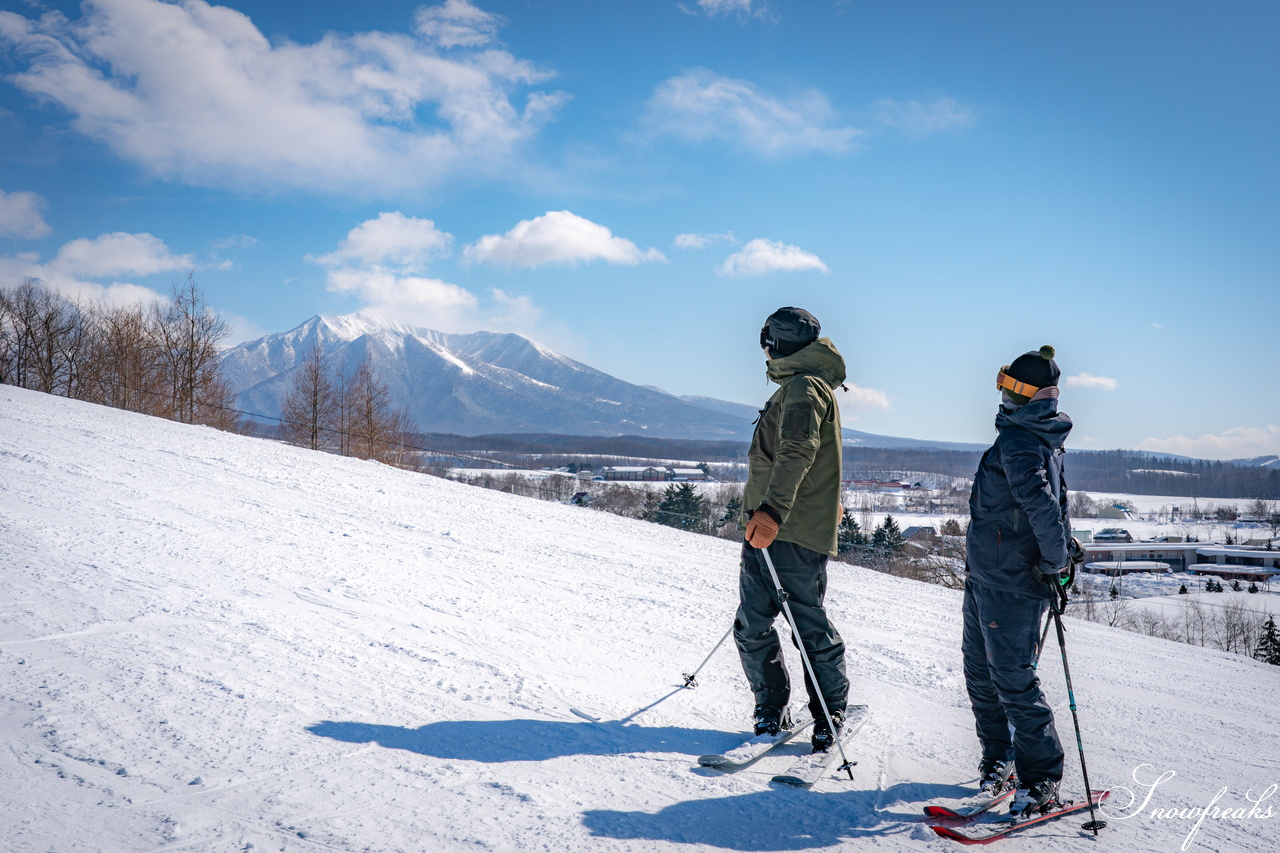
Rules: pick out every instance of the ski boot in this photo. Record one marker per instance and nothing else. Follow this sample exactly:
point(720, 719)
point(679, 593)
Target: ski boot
point(1034, 797)
point(823, 738)
point(770, 719)
point(995, 776)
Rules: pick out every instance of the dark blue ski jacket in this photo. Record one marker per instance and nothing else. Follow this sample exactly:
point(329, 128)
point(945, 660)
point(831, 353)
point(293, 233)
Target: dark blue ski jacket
point(1018, 508)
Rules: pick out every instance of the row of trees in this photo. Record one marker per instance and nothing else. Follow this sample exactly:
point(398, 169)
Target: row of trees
point(346, 411)
point(159, 359)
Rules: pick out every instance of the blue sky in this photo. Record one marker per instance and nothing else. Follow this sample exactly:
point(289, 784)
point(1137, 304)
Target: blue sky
point(638, 184)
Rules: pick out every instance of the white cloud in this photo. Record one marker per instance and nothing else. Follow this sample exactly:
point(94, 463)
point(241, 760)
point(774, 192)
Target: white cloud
point(1157, 325)
point(391, 238)
point(196, 92)
point(945, 115)
point(557, 237)
point(457, 23)
point(21, 215)
point(235, 241)
point(702, 241)
point(512, 313)
point(727, 7)
point(764, 256)
point(94, 269)
point(702, 106)
point(1088, 380)
point(861, 399)
point(382, 287)
point(1236, 443)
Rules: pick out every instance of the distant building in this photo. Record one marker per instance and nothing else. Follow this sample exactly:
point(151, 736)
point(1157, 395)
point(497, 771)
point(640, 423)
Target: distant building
point(1126, 567)
point(1113, 534)
point(1114, 511)
point(1225, 561)
point(649, 473)
point(919, 532)
point(877, 485)
point(688, 474)
point(1236, 562)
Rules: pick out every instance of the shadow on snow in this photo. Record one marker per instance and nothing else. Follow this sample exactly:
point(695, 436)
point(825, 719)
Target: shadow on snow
point(779, 819)
point(528, 740)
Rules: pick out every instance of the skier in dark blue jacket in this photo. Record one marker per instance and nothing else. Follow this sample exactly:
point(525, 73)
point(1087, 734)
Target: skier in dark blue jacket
point(1019, 551)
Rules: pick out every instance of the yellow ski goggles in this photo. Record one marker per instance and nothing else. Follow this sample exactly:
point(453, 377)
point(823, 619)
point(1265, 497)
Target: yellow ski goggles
point(1006, 382)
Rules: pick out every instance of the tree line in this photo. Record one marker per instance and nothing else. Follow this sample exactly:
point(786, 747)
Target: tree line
point(157, 359)
point(346, 410)
point(1122, 471)
point(164, 359)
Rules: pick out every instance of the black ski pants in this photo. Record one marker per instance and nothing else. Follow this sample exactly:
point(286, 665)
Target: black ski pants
point(1001, 635)
point(803, 574)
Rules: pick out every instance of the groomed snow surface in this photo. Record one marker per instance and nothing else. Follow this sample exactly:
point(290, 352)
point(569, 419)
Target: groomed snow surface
point(211, 642)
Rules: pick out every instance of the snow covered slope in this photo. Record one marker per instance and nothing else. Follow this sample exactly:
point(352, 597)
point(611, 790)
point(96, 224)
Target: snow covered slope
point(211, 642)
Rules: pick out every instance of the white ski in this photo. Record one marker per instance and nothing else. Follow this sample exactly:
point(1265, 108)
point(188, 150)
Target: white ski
point(753, 749)
point(812, 767)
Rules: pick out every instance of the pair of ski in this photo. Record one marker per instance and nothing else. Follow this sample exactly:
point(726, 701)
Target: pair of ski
point(807, 769)
point(961, 817)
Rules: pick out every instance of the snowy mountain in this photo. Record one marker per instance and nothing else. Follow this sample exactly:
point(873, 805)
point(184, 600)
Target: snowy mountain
point(213, 642)
point(472, 384)
point(487, 382)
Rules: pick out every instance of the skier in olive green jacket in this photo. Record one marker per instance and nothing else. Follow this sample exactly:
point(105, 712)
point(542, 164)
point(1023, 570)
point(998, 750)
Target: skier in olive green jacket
point(793, 496)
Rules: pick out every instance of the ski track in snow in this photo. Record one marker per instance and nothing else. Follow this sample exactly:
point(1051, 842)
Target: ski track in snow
point(209, 642)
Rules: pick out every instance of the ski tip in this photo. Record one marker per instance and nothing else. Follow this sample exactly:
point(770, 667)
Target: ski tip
point(712, 760)
point(794, 781)
point(584, 715)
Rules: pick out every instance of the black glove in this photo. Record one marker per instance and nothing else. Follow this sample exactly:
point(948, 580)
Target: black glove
point(1059, 581)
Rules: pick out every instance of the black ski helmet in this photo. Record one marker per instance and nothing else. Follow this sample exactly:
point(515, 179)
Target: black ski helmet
point(789, 330)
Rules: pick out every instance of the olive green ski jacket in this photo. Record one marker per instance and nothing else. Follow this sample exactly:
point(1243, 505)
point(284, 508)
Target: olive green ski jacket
point(794, 461)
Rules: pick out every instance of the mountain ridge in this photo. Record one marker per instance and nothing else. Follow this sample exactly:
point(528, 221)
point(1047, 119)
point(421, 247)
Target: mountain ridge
point(494, 383)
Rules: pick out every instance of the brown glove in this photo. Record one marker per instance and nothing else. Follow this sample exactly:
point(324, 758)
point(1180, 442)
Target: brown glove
point(763, 526)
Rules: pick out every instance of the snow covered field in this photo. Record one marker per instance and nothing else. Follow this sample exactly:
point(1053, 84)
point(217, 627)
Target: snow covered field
point(211, 642)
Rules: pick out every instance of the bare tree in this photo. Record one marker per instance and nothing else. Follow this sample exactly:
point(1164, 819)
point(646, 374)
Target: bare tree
point(123, 368)
point(43, 339)
point(188, 332)
point(309, 410)
point(1082, 506)
point(375, 429)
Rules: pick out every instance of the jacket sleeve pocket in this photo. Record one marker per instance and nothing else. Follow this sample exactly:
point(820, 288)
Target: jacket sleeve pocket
point(797, 421)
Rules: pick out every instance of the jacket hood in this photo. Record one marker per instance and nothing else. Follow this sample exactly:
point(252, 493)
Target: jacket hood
point(1040, 418)
point(820, 358)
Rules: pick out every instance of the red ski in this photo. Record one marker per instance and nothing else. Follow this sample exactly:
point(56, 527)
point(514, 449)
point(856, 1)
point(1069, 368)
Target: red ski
point(967, 814)
point(996, 835)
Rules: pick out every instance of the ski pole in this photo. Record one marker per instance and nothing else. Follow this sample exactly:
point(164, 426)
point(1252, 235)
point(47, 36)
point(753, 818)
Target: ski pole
point(846, 764)
point(691, 679)
point(1093, 825)
point(1044, 635)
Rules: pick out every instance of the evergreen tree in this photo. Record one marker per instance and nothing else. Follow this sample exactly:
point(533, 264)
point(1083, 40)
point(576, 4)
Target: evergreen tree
point(1235, 586)
point(1268, 650)
point(887, 537)
point(1182, 590)
point(951, 527)
point(1253, 587)
point(681, 507)
point(850, 536)
point(732, 512)
point(1115, 593)
point(649, 512)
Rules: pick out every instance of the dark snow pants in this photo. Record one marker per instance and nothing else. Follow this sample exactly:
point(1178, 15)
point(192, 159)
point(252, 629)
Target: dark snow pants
point(803, 574)
point(1001, 632)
